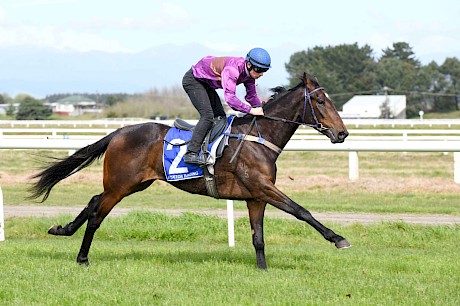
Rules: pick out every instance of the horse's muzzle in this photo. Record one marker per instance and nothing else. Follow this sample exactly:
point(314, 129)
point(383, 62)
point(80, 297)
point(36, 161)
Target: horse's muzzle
point(342, 135)
point(337, 137)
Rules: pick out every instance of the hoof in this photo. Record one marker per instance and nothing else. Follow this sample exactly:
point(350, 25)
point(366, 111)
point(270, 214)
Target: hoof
point(262, 266)
point(56, 230)
point(83, 261)
point(343, 244)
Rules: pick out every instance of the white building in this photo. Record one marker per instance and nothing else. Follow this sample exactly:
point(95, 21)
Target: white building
point(372, 106)
point(74, 106)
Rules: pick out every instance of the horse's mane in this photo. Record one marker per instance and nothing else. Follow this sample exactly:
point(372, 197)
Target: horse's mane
point(277, 92)
point(281, 91)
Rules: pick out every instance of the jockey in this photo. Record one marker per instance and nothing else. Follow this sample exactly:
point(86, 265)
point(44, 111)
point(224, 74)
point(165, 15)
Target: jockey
point(211, 73)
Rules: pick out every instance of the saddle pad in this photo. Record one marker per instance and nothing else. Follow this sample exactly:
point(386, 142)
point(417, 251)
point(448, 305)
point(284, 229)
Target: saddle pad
point(173, 156)
point(174, 150)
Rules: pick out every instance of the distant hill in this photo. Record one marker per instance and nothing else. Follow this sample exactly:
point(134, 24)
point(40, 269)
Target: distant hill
point(42, 72)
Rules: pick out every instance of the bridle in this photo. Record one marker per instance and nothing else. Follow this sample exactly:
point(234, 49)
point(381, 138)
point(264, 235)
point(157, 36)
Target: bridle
point(259, 139)
point(307, 97)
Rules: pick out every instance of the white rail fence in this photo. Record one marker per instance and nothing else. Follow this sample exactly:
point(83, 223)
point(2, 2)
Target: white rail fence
point(300, 134)
point(120, 122)
point(351, 146)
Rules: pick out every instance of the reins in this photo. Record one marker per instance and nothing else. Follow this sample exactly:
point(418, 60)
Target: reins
point(307, 97)
point(317, 125)
point(241, 140)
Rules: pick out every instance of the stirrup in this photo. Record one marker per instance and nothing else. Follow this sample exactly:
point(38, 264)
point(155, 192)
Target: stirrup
point(194, 158)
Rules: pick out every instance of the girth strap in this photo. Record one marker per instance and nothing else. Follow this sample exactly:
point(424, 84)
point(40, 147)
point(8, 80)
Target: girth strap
point(260, 140)
point(209, 178)
point(263, 141)
point(210, 183)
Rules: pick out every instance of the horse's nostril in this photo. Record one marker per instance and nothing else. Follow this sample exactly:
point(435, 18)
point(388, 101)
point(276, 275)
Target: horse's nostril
point(342, 135)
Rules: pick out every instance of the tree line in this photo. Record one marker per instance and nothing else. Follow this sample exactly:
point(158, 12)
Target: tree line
point(347, 70)
point(104, 99)
point(344, 70)
point(168, 102)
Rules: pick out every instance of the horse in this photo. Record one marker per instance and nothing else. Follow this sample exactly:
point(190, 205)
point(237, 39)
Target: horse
point(133, 161)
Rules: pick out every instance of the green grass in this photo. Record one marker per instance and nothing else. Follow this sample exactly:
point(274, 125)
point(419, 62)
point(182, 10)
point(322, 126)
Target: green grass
point(398, 202)
point(316, 200)
point(446, 115)
point(150, 259)
point(389, 183)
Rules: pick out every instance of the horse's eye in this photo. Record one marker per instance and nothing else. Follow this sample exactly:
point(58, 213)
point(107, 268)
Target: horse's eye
point(320, 101)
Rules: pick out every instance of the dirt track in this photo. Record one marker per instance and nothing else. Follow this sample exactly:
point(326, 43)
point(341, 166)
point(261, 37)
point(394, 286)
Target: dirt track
point(344, 218)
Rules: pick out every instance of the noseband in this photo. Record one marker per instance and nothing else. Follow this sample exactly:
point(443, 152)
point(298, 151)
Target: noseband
point(307, 97)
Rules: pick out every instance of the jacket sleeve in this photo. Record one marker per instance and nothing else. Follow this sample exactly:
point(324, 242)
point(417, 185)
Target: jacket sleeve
point(229, 77)
point(251, 93)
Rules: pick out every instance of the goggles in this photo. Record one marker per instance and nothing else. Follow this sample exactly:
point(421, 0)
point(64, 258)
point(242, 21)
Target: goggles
point(259, 69)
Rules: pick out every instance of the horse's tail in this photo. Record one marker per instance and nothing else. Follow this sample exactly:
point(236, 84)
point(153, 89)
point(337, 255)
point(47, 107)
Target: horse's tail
point(65, 167)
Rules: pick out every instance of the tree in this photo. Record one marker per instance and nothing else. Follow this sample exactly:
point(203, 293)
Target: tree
point(451, 69)
point(32, 109)
point(385, 110)
point(396, 74)
point(6, 98)
point(112, 100)
point(343, 70)
point(2, 100)
point(10, 110)
point(402, 51)
point(398, 69)
point(432, 85)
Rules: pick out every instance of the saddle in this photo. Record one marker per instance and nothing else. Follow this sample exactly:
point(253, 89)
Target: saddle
point(218, 126)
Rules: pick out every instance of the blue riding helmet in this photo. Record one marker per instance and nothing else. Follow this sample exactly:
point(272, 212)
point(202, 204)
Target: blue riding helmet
point(259, 57)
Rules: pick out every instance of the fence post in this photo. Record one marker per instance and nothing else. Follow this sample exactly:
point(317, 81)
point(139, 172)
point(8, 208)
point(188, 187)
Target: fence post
point(230, 221)
point(2, 219)
point(353, 165)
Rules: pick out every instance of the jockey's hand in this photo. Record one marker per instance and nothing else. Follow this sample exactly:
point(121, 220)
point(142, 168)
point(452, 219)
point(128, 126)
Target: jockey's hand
point(257, 111)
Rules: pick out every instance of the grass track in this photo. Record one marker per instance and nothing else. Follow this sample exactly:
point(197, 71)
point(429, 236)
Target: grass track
point(153, 259)
point(316, 200)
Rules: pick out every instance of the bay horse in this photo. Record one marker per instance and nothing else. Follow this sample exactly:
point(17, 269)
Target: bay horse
point(133, 161)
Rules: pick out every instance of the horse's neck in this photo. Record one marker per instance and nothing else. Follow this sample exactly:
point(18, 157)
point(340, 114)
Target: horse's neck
point(277, 132)
point(287, 108)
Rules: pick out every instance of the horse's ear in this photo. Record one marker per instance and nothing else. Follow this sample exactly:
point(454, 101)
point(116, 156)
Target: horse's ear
point(304, 78)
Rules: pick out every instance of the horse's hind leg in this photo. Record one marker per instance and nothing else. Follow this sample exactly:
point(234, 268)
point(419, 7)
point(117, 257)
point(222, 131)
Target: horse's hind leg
point(256, 218)
point(99, 207)
point(70, 228)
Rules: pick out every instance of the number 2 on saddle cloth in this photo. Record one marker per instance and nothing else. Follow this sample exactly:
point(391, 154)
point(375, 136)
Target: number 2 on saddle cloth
point(175, 147)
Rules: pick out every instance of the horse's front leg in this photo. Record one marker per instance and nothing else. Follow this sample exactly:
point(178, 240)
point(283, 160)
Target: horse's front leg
point(275, 197)
point(256, 218)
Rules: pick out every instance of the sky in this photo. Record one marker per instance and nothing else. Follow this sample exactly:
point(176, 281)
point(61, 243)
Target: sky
point(431, 28)
point(131, 26)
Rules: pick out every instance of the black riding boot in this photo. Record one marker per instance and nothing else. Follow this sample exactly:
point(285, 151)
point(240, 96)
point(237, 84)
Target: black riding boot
point(194, 158)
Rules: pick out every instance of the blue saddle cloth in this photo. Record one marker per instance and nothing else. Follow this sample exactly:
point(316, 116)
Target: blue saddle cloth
point(175, 148)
